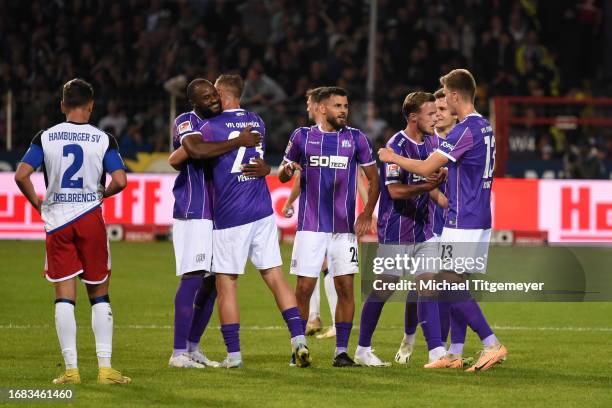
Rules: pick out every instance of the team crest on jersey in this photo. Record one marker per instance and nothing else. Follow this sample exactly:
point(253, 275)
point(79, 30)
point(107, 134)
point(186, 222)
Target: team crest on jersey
point(184, 126)
point(346, 143)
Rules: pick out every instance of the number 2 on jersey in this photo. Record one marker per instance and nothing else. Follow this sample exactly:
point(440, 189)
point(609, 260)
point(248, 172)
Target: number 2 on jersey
point(241, 151)
point(67, 180)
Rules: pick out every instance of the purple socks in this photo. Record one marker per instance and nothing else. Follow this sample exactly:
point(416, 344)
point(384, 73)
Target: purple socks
point(183, 311)
point(429, 318)
point(468, 310)
point(444, 310)
point(231, 337)
point(203, 306)
point(295, 324)
point(369, 319)
point(343, 332)
point(411, 318)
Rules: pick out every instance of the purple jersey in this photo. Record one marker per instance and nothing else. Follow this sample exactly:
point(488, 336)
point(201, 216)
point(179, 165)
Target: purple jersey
point(193, 185)
point(403, 221)
point(237, 199)
point(329, 178)
point(437, 214)
point(470, 147)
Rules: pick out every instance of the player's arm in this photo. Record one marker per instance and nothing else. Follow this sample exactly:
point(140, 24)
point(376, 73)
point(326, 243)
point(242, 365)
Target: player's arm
point(199, 149)
point(286, 170)
point(439, 198)
point(117, 184)
point(364, 220)
point(399, 191)
point(113, 165)
point(421, 167)
point(293, 195)
point(178, 158)
point(22, 179)
point(32, 160)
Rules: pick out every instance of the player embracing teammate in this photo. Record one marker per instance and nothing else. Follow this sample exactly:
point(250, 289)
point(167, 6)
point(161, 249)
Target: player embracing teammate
point(243, 222)
point(469, 151)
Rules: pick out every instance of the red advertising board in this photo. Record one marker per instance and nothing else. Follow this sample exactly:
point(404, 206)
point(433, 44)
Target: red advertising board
point(568, 210)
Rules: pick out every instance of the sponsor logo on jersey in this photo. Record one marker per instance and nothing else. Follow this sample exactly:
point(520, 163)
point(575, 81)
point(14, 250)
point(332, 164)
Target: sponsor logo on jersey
point(333, 162)
point(184, 126)
point(447, 145)
point(200, 258)
point(346, 143)
point(314, 142)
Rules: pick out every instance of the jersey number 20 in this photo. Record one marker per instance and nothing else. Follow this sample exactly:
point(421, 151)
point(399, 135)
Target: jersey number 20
point(67, 180)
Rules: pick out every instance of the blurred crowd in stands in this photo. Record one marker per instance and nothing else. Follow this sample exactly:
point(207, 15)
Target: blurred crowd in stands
point(128, 49)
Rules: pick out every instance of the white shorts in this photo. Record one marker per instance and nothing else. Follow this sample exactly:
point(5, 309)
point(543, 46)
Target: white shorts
point(465, 250)
point(257, 240)
point(193, 248)
point(421, 258)
point(311, 248)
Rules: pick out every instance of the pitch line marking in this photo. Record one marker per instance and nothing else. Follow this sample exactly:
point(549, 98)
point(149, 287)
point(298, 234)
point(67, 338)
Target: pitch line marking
point(271, 328)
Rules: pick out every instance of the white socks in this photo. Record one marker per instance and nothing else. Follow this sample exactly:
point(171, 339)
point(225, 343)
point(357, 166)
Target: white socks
point(102, 325)
point(436, 354)
point(332, 296)
point(65, 325)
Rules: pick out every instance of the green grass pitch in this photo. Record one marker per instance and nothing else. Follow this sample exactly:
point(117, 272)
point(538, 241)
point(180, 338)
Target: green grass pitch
point(560, 353)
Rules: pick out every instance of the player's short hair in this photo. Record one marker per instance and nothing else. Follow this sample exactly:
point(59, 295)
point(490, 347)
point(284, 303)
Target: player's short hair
point(461, 81)
point(77, 92)
point(328, 91)
point(439, 94)
point(193, 85)
point(234, 83)
point(315, 94)
point(414, 101)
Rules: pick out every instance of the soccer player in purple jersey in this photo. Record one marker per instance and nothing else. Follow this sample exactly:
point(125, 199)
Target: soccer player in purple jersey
point(403, 223)
point(314, 325)
point(328, 157)
point(449, 321)
point(470, 149)
point(244, 225)
point(192, 227)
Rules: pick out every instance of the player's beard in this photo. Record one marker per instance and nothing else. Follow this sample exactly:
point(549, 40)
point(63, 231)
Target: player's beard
point(334, 122)
point(210, 111)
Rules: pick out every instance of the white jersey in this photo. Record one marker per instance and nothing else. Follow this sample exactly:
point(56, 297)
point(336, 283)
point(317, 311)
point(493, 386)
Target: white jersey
point(75, 158)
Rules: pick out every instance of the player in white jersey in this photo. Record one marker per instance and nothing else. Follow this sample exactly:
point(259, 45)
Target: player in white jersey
point(75, 158)
point(314, 324)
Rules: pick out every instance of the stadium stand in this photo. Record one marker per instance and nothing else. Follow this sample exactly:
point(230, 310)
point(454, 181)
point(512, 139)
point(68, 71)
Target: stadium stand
point(129, 49)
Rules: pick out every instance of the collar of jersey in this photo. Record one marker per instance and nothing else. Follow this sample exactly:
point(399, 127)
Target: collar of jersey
point(476, 114)
point(410, 140)
point(233, 110)
point(76, 123)
point(323, 131)
point(197, 116)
